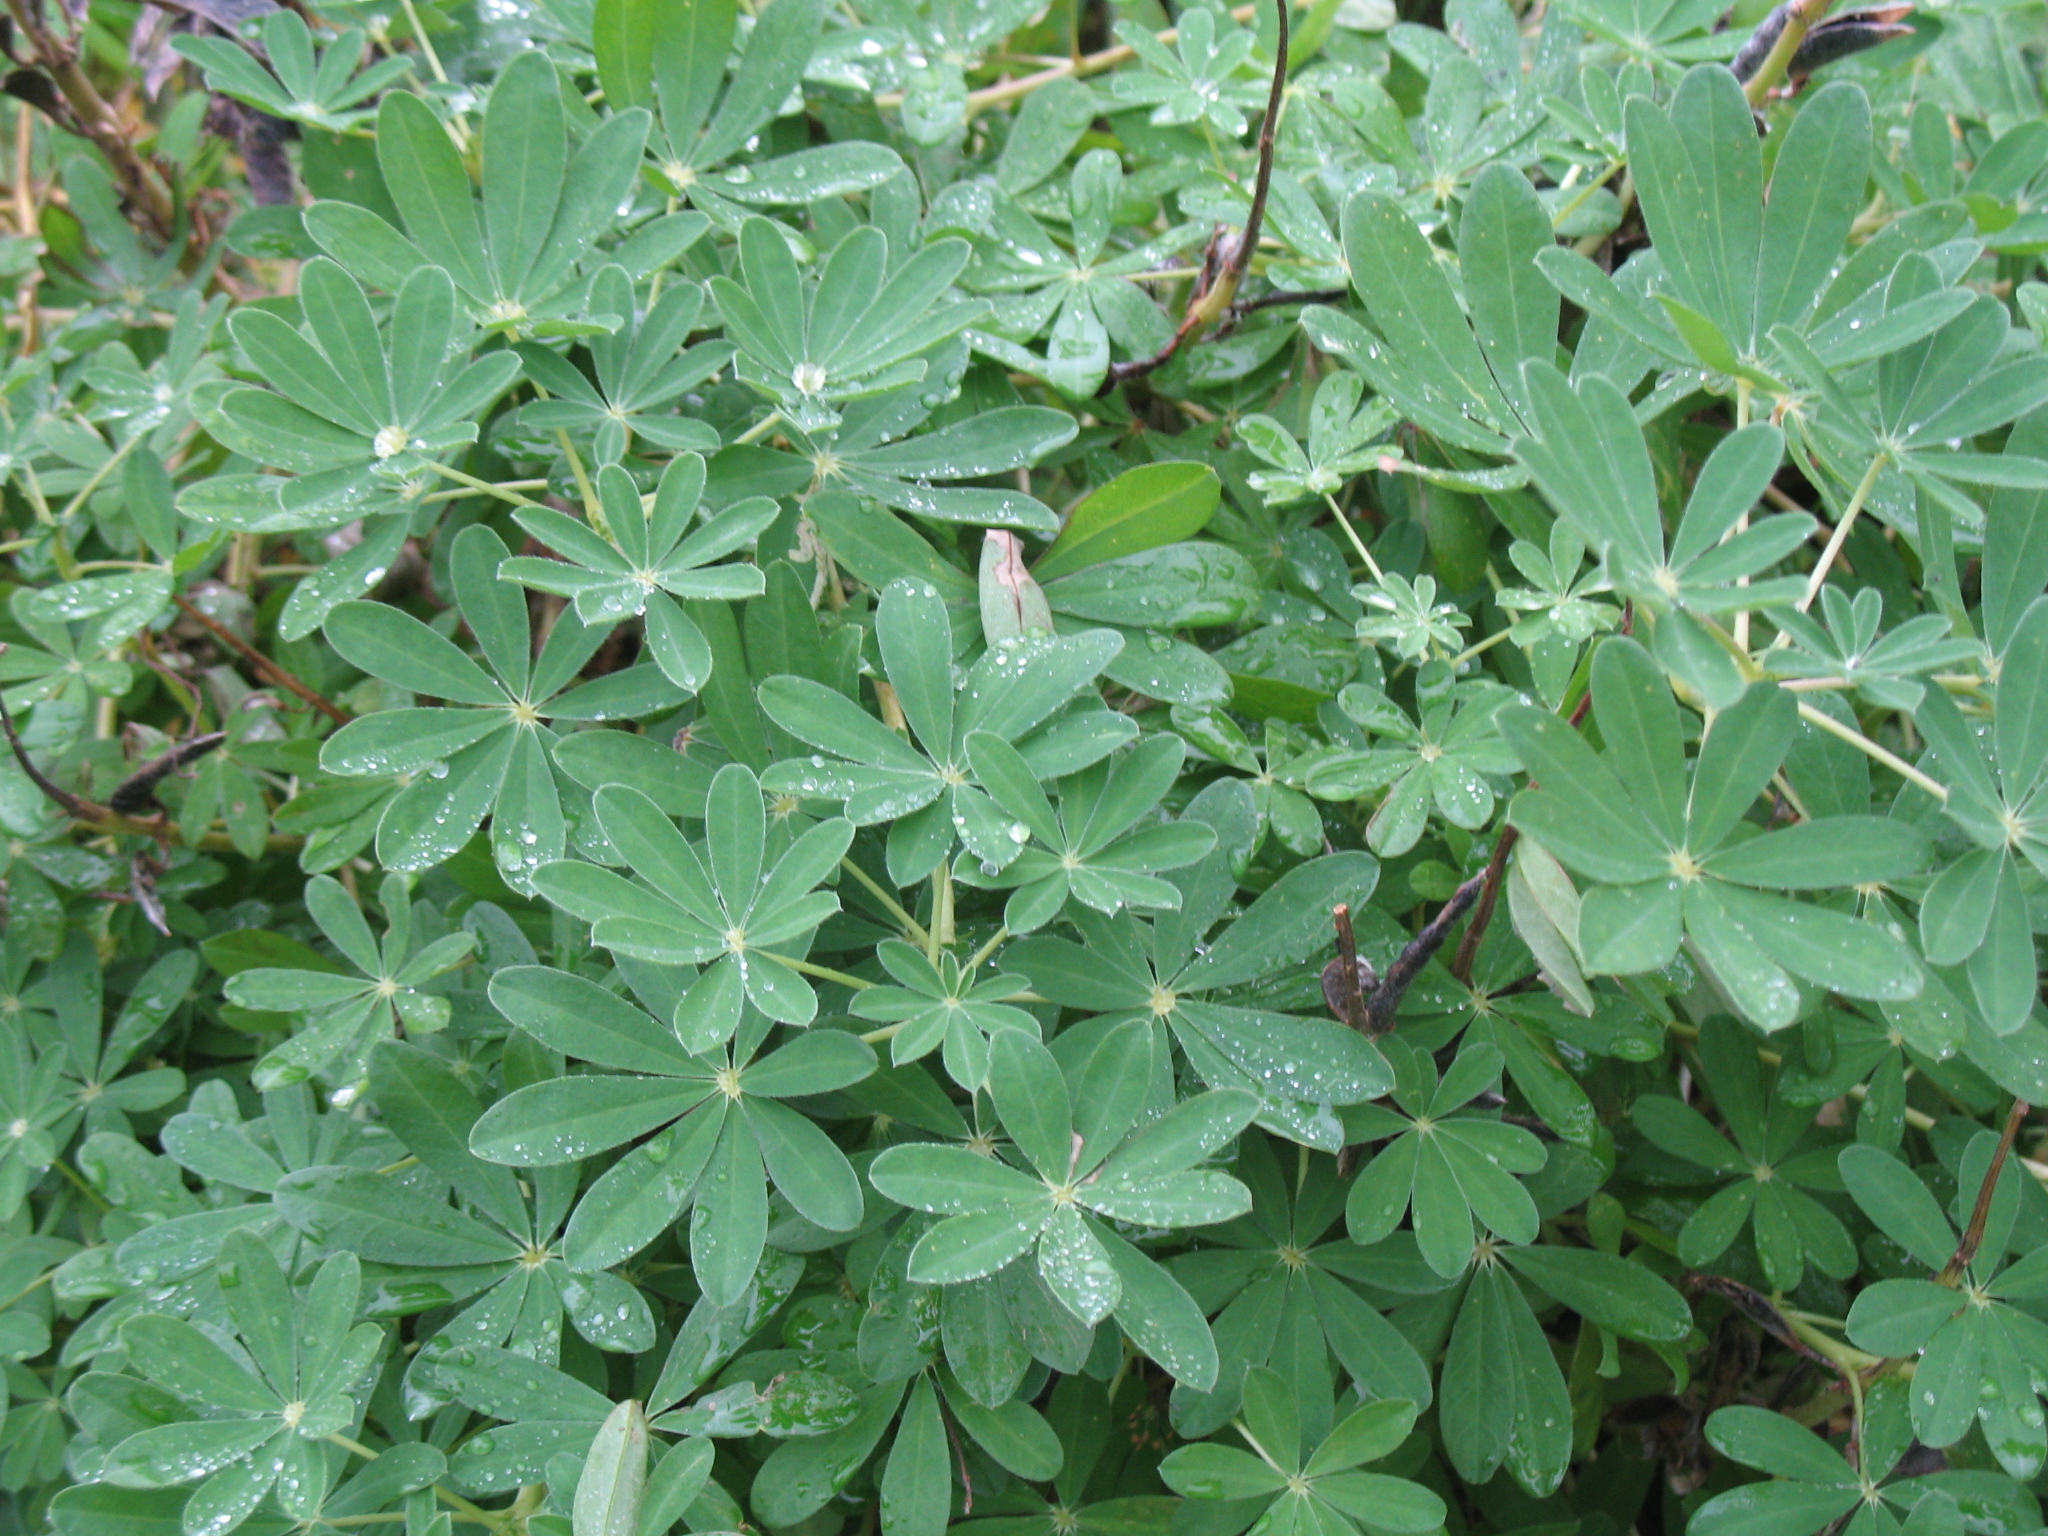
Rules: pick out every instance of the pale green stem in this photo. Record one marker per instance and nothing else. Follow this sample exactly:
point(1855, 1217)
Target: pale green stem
point(982, 954)
point(455, 1501)
point(760, 429)
point(1798, 22)
point(592, 508)
point(1481, 648)
point(1557, 220)
point(1352, 534)
point(459, 125)
point(1872, 750)
point(1840, 536)
point(78, 1182)
point(822, 972)
point(503, 485)
point(912, 928)
point(98, 478)
point(942, 911)
point(503, 493)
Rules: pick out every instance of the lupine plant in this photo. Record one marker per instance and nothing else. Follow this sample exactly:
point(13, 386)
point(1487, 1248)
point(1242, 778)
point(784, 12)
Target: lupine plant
point(1091, 768)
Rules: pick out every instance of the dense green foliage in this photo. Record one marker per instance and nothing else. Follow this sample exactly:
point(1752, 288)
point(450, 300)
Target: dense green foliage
point(698, 691)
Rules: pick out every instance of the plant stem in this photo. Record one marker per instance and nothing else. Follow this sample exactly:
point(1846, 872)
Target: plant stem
point(1481, 648)
point(98, 121)
point(1584, 193)
point(449, 472)
point(760, 429)
point(1225, 262)
point(78, 1182)
point(27, 223)
point(912, 928)
point(1973, 1235)
point(822, 972)
point(1356, 542)
point(1871, 749)
point(942, 911)
point(508, 485)
point(1800, 18)
point(455, 1501)
point(263, 664)
point(982, 954)
point(98, 477)
point(593, 509)
point(1840, 535)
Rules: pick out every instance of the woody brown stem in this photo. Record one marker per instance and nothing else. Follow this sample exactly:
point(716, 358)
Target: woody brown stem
point(74, 806)
point(1385, 1000)
point(263, 664)
point(1973, 1234)
point(1217, 288)
point(1350, 1001)
point(93, 117)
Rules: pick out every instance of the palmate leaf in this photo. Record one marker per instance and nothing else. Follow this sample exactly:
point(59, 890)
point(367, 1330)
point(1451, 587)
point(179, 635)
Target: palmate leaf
point(672, 59)
point(638, 371)
point(356, 415)
point(712, 1128)
point(1971, 915)
point(1447, 1170)
point(1587, 455)
point(1020, 691)
point(1087, 1162)
point(322, 92)
point(1091, 849)
point(1977, 1346)
point(869, 452)
point(486, 752)
point(1084, 300)
point(1659, 837)
point(1286, 1283)
point(856, 332)
point(347, 1015)
point(721, 908)
point(645, 557)
point(504, 1260)
point(1446, 764)
point(296, 1377)
point(1177, 971)
point(512, 256)
point(1324, 1487)
point(1774, 1162)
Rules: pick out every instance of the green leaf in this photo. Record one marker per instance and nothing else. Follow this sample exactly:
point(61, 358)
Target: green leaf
point(1396, 276)
point(917, 1482)
point(1903, 1207)
point(1775, 1444)
point(1207, 1471)
point(394, 646)
point(366, 1214)
point(581, 1019)
point(426, 180)
point(613, 1486)
point(1609, 1291)
point(1700, 176)
point(525, 155)
point(1143, 508)
point(430, 1110)
point(1514, 310)
point(559, 1122)
point(1031, 1096)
